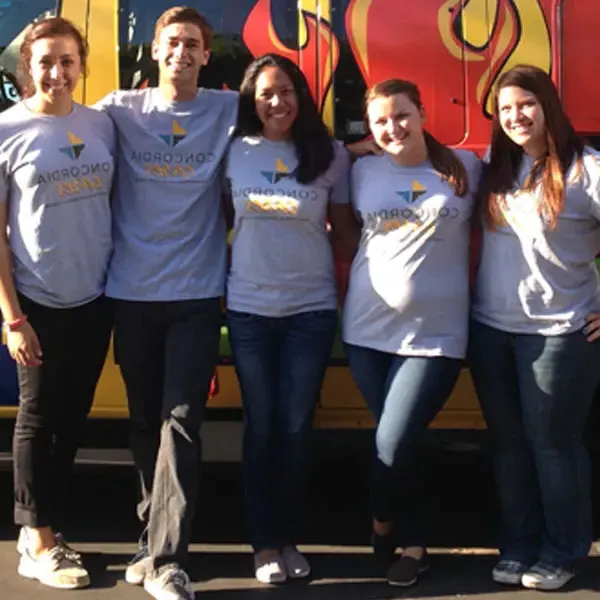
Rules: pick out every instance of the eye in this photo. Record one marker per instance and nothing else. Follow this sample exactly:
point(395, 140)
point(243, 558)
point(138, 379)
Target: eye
point(66, 62)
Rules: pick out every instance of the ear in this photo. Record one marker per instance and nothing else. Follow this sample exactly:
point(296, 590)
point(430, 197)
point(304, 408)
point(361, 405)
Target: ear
point(423, 116)
point(154, 50)
point(205, 58)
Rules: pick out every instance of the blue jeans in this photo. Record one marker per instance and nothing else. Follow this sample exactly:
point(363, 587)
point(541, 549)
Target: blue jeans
point(535, 393)
point(280, 364)
point(404, 393)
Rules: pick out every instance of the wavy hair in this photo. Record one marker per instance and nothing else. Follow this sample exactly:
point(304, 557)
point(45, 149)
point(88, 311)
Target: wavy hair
point(312, 141)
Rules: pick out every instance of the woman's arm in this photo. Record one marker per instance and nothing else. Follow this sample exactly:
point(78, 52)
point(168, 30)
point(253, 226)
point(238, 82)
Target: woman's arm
point(22, 341)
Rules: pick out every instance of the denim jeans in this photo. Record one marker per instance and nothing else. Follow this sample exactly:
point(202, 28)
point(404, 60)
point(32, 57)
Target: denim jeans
point(535, 393)
point(280, 363)
point(404, 393)
point(54, 401)
point(167, 352)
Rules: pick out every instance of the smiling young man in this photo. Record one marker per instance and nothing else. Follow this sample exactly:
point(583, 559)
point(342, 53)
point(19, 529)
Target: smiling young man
point(167, 276)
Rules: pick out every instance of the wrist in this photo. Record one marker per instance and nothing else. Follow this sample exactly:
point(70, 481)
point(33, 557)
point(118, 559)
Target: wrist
point(14, 324)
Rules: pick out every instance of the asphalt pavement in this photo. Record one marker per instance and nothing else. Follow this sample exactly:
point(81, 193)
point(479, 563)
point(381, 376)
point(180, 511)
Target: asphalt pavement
point(462, 518)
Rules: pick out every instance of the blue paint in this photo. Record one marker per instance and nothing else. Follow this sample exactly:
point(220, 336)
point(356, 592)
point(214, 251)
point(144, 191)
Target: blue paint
point(9, 388)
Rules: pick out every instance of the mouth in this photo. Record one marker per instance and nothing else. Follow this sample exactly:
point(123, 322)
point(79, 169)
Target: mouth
point(521, 128)
point(279, 116)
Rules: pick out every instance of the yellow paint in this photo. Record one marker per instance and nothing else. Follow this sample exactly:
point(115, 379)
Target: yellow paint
point(480, 27)
point(445, 18)
point(534, 47)
point(76, 12)
point(178, 129)
point(418, 187)
point(104, 54)
point(358, 24)
point(273, 37)
point(328, 108)
point(280, 167)
point(478, 18)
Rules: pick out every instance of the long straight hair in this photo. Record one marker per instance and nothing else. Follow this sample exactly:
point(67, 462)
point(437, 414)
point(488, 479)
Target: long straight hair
point(312, 141)
point(443, 160)
point(548, 171)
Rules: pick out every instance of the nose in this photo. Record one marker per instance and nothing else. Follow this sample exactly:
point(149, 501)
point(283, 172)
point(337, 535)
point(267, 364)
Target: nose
point(393, 127)
point(275, 100)
point(56, 71)
point(180, 50)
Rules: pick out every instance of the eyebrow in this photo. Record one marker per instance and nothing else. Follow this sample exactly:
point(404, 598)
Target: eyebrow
point(175, 38)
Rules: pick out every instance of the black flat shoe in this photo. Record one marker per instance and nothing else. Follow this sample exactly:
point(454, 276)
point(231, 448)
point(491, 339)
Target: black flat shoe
point(406, 571)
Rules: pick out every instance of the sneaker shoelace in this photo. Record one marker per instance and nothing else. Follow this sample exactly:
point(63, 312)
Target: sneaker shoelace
point(177, 577)
point(66, 550)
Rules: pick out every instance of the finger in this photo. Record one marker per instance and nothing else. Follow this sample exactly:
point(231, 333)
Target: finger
point(593, 336)
point(36, 346)
point(593, 317)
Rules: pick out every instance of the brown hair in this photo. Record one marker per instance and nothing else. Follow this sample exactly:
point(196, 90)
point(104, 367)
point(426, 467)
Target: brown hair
point(46, 28)
point(185, 14)
point(548, 171)
point(444, 161)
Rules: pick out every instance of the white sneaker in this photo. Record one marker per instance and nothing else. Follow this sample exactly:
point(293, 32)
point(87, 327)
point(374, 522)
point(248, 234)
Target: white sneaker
point(269, 570)
point(296, 564)
point(543, 576)
point(172, 583)
point(138, 567)
point(57, 568)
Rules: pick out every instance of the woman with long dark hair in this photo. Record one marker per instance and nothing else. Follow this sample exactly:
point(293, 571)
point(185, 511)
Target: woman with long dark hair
point(56, 160)
point(534, 369)
point(287, 177)
point(406, 312)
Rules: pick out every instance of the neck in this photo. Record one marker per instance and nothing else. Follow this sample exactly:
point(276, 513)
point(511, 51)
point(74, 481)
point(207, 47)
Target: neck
point(414, 157)
point(58, 108)
point(535, 149)
point(277, 136)
point(173, 93)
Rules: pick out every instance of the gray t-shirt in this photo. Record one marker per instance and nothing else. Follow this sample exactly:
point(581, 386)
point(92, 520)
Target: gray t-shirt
point(536, 280)
point(169, 229)
point(56, 175)
point(409, 282)
point(282, 262)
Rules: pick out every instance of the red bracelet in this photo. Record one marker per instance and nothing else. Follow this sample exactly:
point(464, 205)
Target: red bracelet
point(12, 325)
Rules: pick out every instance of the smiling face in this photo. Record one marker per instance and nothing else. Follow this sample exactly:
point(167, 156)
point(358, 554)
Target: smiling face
point(276, 103)
point(522, 119)
point(396, 124)
point(55, 68)
point(180, 52)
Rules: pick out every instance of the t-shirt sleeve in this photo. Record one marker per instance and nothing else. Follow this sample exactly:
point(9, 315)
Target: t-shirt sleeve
point(591, 166)
point(340, 190)
point(105, 104)
point(4, 178)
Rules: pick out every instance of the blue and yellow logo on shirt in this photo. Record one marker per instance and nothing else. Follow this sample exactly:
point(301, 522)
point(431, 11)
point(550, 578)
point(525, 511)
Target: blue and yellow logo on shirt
point(177, 135)
point(75, 147)
point(281, 172)
point(412, 195)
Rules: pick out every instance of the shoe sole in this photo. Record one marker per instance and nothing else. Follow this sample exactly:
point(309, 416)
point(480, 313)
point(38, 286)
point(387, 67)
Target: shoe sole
point(156, 593)
point(28, 573)
point(412, 581)
point(532, 584)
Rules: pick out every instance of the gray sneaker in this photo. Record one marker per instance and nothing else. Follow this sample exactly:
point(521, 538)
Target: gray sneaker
point(138, 567)
point(170, 583)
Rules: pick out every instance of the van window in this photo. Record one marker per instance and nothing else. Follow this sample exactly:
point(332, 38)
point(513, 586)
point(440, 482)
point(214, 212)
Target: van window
point(15, 16)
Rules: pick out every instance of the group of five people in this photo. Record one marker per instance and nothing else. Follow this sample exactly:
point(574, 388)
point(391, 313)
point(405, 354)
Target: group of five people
point(116, 216)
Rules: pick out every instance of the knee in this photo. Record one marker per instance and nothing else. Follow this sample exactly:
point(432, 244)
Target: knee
point(387, 447)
